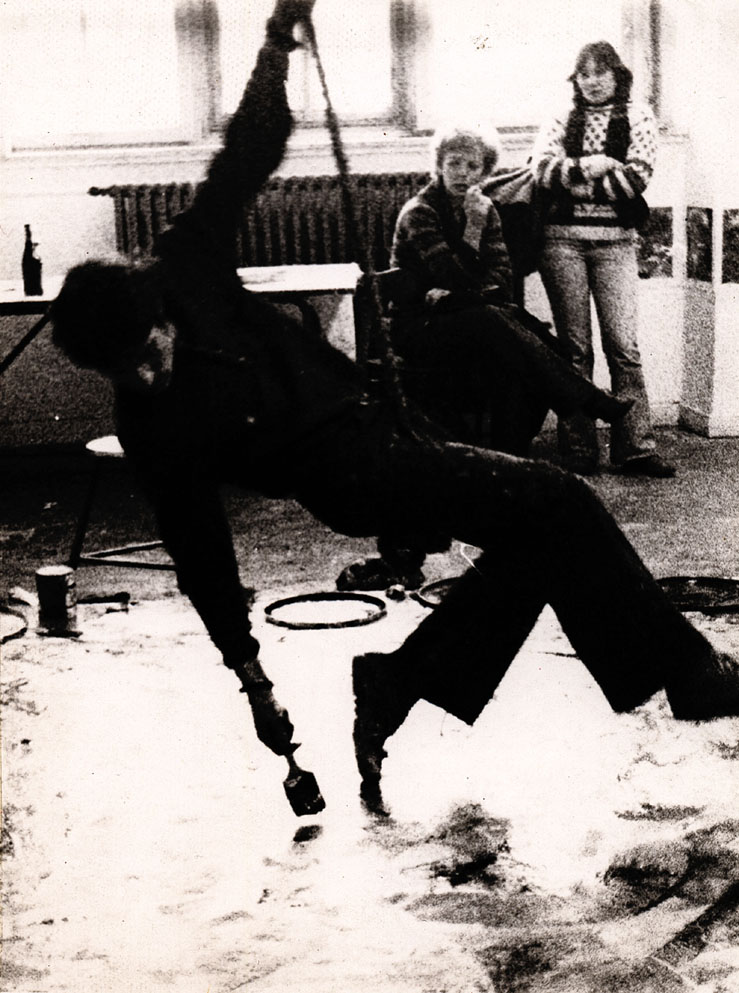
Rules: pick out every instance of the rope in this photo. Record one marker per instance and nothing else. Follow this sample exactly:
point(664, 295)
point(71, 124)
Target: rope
point(337, 145)
point(360, 248)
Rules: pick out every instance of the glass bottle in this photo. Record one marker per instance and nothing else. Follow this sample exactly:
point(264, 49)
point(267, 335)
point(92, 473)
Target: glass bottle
point(31, 266)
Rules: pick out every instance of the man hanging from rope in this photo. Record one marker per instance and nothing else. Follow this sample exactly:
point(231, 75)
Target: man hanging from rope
point(214, 385)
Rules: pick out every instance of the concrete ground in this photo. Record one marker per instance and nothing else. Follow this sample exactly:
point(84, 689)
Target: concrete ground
point(148, 845)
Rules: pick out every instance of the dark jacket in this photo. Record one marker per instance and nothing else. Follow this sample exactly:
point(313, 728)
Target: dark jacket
point(429, 243)
point(248, 384)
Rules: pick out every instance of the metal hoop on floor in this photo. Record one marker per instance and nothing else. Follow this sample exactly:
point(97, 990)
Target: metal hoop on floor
point(379, 610)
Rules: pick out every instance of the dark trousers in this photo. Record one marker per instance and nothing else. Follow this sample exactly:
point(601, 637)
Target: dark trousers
point(494, 360)
point(546, 539)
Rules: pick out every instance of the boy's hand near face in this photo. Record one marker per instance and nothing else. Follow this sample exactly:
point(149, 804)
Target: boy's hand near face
point(476, 208)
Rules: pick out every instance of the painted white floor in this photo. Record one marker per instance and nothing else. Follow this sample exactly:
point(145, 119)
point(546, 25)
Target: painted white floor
point(154, 849)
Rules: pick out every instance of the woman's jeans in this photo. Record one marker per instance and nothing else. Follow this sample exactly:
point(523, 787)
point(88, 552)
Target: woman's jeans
point(571, 271)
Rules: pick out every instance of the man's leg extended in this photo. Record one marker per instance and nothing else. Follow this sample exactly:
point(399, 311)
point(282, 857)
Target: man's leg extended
point(455, 659)
point(459, 653)
point(547, 539)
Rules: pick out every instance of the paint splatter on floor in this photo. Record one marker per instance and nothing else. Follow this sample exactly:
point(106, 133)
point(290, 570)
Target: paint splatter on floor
point(552, 847)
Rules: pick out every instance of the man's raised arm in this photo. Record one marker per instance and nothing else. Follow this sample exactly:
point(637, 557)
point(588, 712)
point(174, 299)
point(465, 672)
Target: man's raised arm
point(255, 137)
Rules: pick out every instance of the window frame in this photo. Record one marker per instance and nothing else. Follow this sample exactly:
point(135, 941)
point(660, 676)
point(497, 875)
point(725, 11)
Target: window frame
point(202, 122)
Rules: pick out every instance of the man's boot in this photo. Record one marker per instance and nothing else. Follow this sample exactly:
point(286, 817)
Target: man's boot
point(382, 702)
point(708, 689)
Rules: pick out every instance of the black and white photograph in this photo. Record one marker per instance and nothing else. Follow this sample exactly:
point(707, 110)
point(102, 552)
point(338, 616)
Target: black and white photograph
point(369, 496)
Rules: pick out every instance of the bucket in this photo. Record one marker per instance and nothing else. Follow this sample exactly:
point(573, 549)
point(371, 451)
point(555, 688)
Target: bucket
point(57, 600)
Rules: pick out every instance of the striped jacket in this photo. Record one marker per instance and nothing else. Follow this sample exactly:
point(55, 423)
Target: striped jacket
point(428, 241)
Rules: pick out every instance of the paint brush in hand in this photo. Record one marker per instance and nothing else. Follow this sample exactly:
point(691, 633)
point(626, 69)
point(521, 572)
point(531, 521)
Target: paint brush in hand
point(301, 788)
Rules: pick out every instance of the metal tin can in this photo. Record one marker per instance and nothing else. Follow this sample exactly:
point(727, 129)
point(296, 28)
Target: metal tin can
point(57, 600)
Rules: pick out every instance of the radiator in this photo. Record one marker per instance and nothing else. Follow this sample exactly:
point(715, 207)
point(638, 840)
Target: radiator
point(293, 220)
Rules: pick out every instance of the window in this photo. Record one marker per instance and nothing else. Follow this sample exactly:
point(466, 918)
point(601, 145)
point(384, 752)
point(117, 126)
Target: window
point(106, 72)
point(360, 86)
point(504, 62)
point(86, 71)
point(82, 73)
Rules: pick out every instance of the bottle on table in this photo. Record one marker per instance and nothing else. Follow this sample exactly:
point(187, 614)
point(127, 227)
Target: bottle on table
point(31, 267)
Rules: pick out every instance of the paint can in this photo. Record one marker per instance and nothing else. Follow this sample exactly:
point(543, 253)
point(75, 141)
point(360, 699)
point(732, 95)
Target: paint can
point(57, 600)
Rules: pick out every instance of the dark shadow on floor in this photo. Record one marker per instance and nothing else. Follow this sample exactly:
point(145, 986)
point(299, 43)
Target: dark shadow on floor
point(683, 526)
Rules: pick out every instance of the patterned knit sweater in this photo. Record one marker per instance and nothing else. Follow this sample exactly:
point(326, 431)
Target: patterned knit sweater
point(583, 208)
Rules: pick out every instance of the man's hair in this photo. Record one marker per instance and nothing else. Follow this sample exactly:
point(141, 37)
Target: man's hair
point(447, 139)
point(104, 310)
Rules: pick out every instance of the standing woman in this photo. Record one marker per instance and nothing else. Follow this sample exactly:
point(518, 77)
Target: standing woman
point(595, 164)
